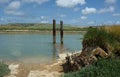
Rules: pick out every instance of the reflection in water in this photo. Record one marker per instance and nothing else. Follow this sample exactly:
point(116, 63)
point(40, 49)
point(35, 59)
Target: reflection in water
point(57, 48)
point(35, 47)
point(54, 52)
point(61, 48)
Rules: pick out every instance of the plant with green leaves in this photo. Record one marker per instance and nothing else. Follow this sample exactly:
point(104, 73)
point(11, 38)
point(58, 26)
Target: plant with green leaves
point(102, 68)
point(4, 70)
point(100, 37)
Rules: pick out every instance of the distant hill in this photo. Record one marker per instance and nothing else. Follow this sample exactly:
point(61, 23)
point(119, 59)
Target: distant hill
point(41, 27)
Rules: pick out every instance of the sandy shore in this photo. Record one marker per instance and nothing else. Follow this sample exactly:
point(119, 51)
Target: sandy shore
point(39, 70)
point(35, 70)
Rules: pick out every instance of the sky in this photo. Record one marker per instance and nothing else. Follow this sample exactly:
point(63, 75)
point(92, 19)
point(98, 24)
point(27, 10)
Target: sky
point(74, 12)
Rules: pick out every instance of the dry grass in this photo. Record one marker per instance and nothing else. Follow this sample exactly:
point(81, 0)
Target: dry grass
point(115, 29)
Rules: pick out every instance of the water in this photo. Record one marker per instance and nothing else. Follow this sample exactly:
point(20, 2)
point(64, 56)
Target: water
point(36, 48)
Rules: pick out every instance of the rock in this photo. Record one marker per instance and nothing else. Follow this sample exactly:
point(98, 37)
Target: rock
point(99, 52)
point(13, 70)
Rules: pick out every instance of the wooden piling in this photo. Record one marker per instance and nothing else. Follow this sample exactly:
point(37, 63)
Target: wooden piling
point(61, 32)
point(54, 31)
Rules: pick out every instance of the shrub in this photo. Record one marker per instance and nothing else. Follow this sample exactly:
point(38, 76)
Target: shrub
point(106, 38)
point(97, 37)
point(102, 68)
point(115, 32)
point(4, 70)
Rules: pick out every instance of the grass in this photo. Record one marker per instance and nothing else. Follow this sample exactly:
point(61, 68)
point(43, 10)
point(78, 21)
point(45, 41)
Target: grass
point(108, 38)
point(41, 27)
point(98, 37)
point(93, 35)
point(114, 30)
point(102, 68)
point(4, 70)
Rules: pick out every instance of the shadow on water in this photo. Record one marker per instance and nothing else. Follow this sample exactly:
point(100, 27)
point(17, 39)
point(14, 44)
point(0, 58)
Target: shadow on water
point(58, 49)
point(54, 52)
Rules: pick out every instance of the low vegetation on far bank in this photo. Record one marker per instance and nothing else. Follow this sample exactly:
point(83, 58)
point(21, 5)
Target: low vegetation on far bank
point(108, 39)
point(41, 27)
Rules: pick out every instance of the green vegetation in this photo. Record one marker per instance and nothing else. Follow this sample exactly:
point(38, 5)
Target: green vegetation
point(41, 27)
point(115, 31)
point(107, 38)
point(4, 70)
point(102, 68)
point(98, 37)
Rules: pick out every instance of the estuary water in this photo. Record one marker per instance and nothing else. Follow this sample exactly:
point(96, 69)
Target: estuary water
point(36, 48)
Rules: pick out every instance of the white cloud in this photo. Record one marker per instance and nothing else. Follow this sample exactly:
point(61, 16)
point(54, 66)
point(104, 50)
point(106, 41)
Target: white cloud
point(109, 9)
point(35, 1)
point(14, 5)
point(44, 17)
point(2, 19)
point(44, 21)
point(14, 12)
point(93, 10)
point(69, 3)
point(91, 22)
point(83, 17)
point(117, 22)
point(116, 14)
point(13, 8)
point(62, 15)
point(109, 22)
point(89, 10)
point(110, 1)
point(76, 9)
point(4, 1)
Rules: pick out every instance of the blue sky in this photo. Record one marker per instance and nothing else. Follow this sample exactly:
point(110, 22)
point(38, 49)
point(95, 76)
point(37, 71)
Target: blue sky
point(76, 12)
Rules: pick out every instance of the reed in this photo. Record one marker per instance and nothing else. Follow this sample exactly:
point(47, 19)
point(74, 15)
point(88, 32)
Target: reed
point(114, 30)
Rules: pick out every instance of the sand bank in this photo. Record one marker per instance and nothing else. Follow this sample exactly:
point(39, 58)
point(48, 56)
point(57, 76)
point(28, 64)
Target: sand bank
point(39, 70)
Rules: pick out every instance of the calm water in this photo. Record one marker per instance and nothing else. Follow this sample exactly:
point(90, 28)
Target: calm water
point(36, 48)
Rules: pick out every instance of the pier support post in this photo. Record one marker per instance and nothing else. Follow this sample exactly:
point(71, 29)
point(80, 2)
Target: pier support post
point(61, 32)
point(54, 31)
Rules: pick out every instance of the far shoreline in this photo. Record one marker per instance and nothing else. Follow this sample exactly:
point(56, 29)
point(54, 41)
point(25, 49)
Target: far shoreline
point(39, 31)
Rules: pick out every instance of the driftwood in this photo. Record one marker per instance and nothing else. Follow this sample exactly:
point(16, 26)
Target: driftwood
point(76, 62)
